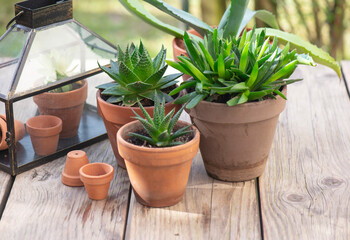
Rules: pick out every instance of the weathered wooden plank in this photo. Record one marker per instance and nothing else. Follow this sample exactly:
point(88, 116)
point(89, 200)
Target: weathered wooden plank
point(305, 191)
point(210, 209)
point(41, 207)
point(5, 185)
point(345, 67)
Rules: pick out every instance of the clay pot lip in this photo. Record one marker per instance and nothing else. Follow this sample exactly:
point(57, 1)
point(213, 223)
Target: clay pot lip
point(175, 41)
point(50, 130)
point(122, 141)
point(85, 84)
point(92, 177)
point(244, 105)
point(99, 98)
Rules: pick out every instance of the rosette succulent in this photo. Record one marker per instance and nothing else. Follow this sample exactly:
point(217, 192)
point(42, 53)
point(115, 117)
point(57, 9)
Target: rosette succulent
point(160, 128)
point(137, 76)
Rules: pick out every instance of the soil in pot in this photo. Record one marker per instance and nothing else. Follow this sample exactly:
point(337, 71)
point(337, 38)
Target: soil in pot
point(115, 116)
point(236, 141)
point(158, 175)
point(66, 105)
point(44, 133)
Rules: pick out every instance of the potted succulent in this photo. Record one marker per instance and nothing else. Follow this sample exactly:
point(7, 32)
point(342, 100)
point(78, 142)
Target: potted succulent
point(158, 154)
point(232, 23)
point(235, 97)
point(136, 78)
point(65, 102)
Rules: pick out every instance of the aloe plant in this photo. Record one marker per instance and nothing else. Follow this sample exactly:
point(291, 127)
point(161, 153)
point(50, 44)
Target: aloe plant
point(248, 68)
point(232, 22)
point(160, 128)
point(137, 76)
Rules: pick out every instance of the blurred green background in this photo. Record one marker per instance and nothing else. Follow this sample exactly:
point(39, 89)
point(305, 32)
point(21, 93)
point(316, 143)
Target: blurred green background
point(323, 22)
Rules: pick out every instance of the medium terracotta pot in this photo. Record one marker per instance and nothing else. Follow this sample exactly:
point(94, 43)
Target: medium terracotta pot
point(44, 132)
point(158, 175)
point(19, 131)
point(236, 141)
point(67, 105)
point(96, 178)
point(74, 161)
point(114, 117)
point(179, 49)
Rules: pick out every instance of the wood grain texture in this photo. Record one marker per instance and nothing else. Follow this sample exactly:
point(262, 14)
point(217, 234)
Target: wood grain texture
point(305, 191)
point(5, 184)
point(210, 209)
point(41, 207)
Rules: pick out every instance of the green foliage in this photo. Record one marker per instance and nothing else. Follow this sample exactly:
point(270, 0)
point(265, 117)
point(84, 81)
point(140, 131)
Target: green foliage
point(301, 45)
point(244, 69)
point(160, 128)
point(137, 76)
point(232, 22)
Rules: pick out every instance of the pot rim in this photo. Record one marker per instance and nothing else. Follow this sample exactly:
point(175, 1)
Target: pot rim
point(99, 98)
point(246, 104)
point(109, 172)
point(57, 128)
point(160, 149)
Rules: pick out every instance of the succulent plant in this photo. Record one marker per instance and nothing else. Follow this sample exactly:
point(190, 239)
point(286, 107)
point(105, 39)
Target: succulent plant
point(160, 128)
point(232, 22)
point(137, 76)
point(244, 69)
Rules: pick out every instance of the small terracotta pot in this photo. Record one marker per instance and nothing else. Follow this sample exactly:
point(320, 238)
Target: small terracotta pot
point(67, 105)
point(158, 175)
point(19, 131)
point(114, 117)
point(44, 132)
point(74, 161)
point(179, 49)
point(236, 141)
point(96, 178)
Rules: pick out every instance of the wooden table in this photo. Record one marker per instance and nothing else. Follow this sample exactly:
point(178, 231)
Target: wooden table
point(303, 194)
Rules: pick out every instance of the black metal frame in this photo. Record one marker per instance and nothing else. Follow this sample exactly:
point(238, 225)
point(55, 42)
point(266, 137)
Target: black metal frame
point(13, 97)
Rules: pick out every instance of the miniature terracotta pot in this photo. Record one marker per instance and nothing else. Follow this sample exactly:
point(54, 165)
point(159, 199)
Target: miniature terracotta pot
point(96, 178)
point(179, 49)
point(74, 161)
point(19, 131)
point(158, 175)
point(66, 105)
point(114, 117)
point(44, 132)
point(236, 141)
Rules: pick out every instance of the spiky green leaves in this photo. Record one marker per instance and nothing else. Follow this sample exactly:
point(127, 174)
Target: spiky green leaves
point(160, 128)
point(248, 68)
point(137, 76)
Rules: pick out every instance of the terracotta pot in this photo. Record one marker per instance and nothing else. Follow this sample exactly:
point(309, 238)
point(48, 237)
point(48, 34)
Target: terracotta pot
point(158, 175)
point(96, 178)
point(114, 117)
point(179, 49)
point(67, 105)
point(74, 161)
point(19, 131)
point(44, 132)
point(236, 141)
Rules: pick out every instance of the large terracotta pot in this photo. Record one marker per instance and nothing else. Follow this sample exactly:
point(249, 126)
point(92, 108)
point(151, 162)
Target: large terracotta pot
point(158, 175)
point(19, 131)
point(67, 105)
point(114, 117)
point(236, 141)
